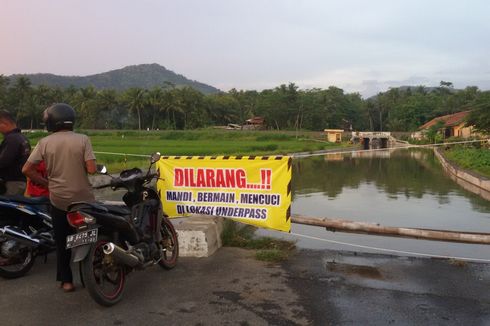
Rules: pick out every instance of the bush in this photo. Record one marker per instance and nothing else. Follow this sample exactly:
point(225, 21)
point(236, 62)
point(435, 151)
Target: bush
point(241, 235)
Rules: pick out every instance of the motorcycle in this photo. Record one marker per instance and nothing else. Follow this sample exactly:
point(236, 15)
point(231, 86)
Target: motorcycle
point(113, 240)
point(26, 231)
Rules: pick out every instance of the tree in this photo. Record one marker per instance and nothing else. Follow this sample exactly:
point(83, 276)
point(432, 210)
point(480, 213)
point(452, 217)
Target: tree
point(135, 99)
point(434, 131)
point(279, 106)
point(156, 101)
point(446, 84)
point(21, 98)
point(110, 114)
point(4, 82)
point(42, 97)
point(190, 108)
point(479, 117)
point(223, 109)
point(247, 101)
point(85, 104)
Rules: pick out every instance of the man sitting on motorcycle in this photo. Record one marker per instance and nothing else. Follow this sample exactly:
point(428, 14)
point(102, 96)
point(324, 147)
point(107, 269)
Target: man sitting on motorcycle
point(69, 158)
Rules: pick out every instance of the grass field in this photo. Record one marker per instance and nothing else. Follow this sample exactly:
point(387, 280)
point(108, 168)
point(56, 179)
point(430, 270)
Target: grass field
point(194, 143)
point(476, 159)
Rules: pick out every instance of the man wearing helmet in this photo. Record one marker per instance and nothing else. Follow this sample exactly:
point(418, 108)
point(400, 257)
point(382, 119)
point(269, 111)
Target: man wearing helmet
point(14, 150)
point(69, 159)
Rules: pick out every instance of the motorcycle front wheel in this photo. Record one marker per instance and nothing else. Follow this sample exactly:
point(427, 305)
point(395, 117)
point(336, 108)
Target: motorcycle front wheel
point(169, 245)
point(15, 259)
point(103, 277)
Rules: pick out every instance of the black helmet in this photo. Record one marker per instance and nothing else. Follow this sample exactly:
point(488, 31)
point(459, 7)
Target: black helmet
point(59, 116)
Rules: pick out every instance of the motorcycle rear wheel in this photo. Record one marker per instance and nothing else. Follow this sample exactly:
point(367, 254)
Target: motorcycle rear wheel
point(103, 277)
point(170, 245)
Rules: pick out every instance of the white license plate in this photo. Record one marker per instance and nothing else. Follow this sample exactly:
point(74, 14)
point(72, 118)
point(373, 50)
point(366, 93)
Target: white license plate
point(81, 238)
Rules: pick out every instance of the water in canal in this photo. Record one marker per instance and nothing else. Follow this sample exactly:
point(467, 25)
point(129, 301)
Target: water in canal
point(405, 188)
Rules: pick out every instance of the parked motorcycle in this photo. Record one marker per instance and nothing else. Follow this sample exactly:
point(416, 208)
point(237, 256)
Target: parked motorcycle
point(26, 231)
point(113, 240)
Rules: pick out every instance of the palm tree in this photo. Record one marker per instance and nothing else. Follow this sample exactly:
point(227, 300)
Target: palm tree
point(4, 82)
point(21, 94)
point(135, 99)
point(84, 104)
point(156, 99)
point(106, 104)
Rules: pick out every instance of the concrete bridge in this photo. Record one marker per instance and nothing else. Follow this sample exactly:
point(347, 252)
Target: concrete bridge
point(373, 139)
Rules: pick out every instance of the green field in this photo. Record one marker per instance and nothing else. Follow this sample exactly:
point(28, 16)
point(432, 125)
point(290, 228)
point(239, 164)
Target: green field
point(194, 143)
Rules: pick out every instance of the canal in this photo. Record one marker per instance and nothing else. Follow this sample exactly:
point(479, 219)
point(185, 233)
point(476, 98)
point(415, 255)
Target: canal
point(402, 187)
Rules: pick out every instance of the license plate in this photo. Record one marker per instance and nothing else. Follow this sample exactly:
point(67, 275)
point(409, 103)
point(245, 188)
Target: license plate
point(81, 238)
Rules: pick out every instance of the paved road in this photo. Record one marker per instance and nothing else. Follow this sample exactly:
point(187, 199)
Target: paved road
point(232, 288)
point(340, 288)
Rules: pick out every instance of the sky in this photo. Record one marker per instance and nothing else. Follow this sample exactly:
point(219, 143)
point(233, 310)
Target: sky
point(358, 45)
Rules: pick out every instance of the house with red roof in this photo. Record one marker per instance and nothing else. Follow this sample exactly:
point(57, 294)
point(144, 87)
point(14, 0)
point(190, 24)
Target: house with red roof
point(451, 125)
point(255, 123)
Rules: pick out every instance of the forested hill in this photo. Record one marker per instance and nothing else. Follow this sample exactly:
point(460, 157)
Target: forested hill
point(144, 76)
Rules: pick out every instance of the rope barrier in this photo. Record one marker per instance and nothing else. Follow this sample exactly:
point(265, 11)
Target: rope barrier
point(321, 153)
point(123, 154)
point(392, 250)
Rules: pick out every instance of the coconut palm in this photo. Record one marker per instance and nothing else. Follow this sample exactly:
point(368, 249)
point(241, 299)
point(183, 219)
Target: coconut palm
point(135, 100)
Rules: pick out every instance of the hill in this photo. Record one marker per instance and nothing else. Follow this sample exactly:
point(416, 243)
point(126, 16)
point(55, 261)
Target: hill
point(419, 88)
point(144, 76)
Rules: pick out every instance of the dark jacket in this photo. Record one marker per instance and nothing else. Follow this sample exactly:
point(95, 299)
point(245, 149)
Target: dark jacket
point(14, 151)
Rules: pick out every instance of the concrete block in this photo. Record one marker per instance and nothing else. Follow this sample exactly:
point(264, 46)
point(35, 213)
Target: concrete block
point(199, 236)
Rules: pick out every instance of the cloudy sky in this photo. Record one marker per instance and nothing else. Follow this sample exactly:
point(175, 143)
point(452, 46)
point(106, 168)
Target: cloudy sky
point(358, 45)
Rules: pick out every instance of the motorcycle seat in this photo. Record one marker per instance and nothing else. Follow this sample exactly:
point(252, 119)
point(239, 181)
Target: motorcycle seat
point(26, 200)
point(118, 209)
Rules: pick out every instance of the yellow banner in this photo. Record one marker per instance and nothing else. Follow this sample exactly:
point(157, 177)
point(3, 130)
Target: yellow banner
point(250, 189)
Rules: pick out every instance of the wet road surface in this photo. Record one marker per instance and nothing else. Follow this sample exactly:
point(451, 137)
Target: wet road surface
point(233, 288)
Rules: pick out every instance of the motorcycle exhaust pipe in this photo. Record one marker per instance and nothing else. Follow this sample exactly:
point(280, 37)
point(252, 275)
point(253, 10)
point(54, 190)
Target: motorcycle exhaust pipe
point(17, 236)
point(121, 255)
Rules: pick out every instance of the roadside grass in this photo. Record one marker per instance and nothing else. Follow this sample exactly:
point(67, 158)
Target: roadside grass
point(266, 248)
point(204, 142)
point(471, 158)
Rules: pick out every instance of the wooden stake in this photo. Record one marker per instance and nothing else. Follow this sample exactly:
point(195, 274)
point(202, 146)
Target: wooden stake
point(376, 229)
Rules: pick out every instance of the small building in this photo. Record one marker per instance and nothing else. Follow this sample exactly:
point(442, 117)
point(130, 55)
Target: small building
point(333, 135)
point(255, 123)
point(454, 125)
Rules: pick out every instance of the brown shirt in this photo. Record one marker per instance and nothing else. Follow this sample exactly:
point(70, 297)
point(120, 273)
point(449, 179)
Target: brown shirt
point(65, 154)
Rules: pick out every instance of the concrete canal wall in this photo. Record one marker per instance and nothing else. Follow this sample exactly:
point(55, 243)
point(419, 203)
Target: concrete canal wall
point(470, 181)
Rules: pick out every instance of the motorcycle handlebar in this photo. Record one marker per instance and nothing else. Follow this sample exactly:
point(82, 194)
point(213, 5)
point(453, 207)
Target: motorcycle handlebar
point(117, 182)
point(151, 176)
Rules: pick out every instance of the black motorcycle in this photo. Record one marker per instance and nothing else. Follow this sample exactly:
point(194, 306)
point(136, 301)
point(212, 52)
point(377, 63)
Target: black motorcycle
point(113, 240)
point(26, 231)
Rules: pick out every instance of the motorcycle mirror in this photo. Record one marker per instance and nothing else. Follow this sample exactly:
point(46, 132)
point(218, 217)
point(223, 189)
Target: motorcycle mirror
point(155, 157)
point(101, 169)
